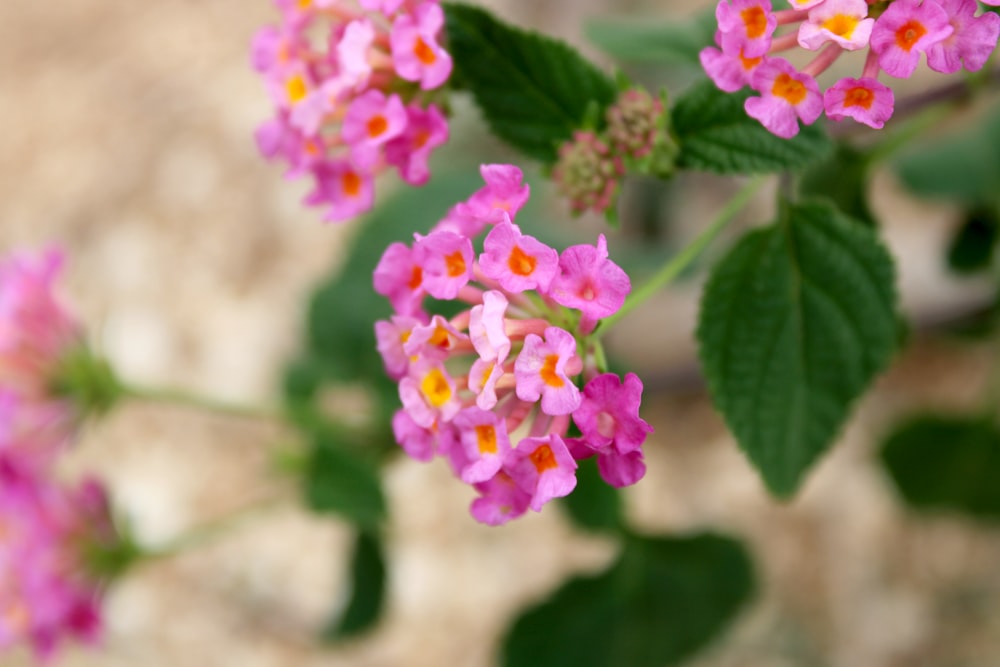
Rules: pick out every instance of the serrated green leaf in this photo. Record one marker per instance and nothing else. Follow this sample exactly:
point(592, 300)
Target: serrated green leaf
point(367, 589)
point(972, 247)
point(594, 504)
point(651, 41)
point(716, 134)
point(795, 322)
point(947, 463)
point(340, 481)
point(842, 179)
point(964, 166)
point(663, 600)
point(533, 90)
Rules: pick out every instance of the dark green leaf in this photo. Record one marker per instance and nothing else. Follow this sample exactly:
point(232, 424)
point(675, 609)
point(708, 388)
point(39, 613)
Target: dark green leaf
point(650, 41)
point(594, 504)
point(964, 167)
point(947, 462)
point(795, 322)
point(972, 247)
point(341, 481)
point(842, 179)
point(534, 91)
point(716, 134)
point(367, 589)
point(662, 601)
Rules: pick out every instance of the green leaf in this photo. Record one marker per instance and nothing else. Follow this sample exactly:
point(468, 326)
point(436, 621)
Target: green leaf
point(716, 134)
point(367, 589)
point(663, 600)
point(594, 504)
point(947, 462)
point(341, 481)
point(795, 322)
point(963, 167)
point(534, 91)
point(649, 41)
point(842, 179)
point(972, 247)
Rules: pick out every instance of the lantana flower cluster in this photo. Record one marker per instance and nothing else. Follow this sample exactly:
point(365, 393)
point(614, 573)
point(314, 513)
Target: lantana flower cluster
point(352, 85)
point(953, 34)
point(494, 388)
point(48, 531)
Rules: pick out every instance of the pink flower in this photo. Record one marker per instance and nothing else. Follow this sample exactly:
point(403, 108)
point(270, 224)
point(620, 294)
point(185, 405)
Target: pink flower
point(590, 282)
point(371, 121)
point(484, 438)
point(865, 100)
point(353, 47)
point(542, 369)
point(390, 336)
point(446, 261)
point(516, 261)
point(415, 51)
point(486, 327)
point(436, 341)
point(400, 279)
point(972, 41)
point(501, 500)
point(409, 152)
point(786, 95)
point(503, 193)
point(728, 72)
point(621, 470)
point(745, 26)
point(418, 442)
point(346, 190)
point(543, 468)
point(428, 394)
point(49, 588)
point(608, 415)
point(843, 22)
point(906, 29)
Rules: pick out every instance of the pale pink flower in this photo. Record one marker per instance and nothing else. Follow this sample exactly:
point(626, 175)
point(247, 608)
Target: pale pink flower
point(906, 29)
point(415, 52)
point(516, 261)
point(426, 129)
point(346, 190)
point(590, 282)
point(865, 100)
point(544, 368)
point(745, 26)
point(543, 468)
point(971, 42)
point(484, 437)
point(446, 261)
point(786, 96)
point(843, 22)
point(728, 72)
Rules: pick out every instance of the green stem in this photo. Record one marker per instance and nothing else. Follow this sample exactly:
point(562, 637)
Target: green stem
point(207, 403)
point(208, 531)
point(683, 259)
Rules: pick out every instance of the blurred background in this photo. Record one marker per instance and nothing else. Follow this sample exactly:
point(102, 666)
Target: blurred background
point(128, 141)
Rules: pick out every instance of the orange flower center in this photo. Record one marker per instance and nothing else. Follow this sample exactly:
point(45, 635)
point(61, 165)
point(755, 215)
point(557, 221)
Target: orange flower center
point(455, 264)
point(351, 183)
point(749, 63)
point(486, 439)
point(789, 89)
point(416, 278)
point(859, 96)
point(377, 125)
point(423, 52)
point(755, 21)
point(521, 263)
point(909, 33)
point(543, 459)
point(548, 372)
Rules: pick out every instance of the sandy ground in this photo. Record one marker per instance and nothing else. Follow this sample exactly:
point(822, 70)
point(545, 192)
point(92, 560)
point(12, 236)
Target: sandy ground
point(127, 141)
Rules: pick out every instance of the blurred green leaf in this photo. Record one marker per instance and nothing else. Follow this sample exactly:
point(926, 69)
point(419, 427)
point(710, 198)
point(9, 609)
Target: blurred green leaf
point(342, 481)
point(963, 166)
point(534, 91)
point(367, 589)
point(663, 600)
point(795, 322)
point(652, 41)
point(594, 504)
point(716, 134)
point(842, 179)
point(972, 247)
point(947, 463)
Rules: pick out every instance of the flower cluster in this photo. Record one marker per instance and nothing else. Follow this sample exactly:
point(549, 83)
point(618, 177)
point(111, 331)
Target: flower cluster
point(47, 531)
point(591, 165)
point(895, 33)
point(516, 364)
point(350, 85)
